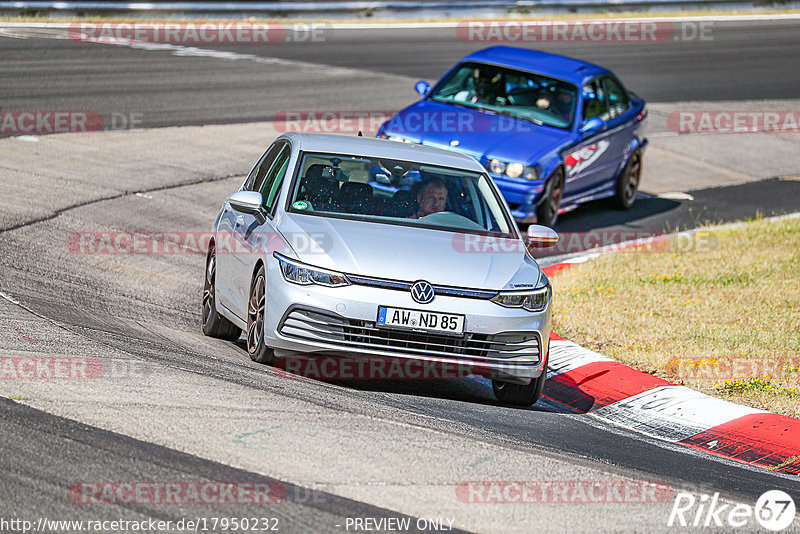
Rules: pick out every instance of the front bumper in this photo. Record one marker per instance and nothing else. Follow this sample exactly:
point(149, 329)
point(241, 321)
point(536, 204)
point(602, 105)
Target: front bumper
point(504, 343)
point(522, 196)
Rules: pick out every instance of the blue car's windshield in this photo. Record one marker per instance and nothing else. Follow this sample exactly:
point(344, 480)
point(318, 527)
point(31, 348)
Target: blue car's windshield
point(525, 95)
point(398, 192)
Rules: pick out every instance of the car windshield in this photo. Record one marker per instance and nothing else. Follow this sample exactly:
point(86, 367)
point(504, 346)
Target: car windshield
point(524, 95)
point(398, 192)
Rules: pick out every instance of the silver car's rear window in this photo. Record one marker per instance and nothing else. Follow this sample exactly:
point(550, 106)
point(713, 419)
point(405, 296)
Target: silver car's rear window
point(399, 192)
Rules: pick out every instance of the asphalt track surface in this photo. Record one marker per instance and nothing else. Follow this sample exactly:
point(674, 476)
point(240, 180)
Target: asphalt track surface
point(39, 476)
point(744, 61)
point(158, 323)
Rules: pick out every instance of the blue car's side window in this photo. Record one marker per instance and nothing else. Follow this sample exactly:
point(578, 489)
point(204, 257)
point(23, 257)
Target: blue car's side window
point(595, 103)
point(618, 100)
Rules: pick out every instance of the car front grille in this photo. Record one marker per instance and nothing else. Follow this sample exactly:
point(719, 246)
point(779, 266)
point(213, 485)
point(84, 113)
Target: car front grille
point(439, 290)
point(315, 326)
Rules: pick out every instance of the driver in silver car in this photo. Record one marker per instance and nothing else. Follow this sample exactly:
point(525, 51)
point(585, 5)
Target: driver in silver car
point(431, 198)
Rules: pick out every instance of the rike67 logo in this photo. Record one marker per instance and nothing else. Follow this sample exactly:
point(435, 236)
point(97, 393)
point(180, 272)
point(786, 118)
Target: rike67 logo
point(774, 510)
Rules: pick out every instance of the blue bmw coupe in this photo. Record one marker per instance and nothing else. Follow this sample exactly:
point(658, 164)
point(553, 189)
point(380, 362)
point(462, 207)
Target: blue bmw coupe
point(552, 131)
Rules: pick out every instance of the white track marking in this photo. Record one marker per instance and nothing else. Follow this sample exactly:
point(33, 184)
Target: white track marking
point(32, 32)
point(672, 413)
point(676, 195)
point(193, 51)
point(566, 356)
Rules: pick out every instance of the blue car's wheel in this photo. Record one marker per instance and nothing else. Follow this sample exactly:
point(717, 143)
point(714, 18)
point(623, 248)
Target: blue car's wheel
point(628, 182)
point(547, 212)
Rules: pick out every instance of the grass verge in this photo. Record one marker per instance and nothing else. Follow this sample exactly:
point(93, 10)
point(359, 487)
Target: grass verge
point(722, 318)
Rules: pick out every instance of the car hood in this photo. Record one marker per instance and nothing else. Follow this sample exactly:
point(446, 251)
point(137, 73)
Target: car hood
point(409, 254)
point(485, 134)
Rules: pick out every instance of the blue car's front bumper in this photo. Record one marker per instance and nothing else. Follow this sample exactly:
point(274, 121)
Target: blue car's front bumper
point(522, 197)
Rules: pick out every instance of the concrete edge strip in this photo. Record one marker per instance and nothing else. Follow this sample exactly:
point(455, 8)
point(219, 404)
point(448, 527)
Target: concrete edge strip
point(591, 383)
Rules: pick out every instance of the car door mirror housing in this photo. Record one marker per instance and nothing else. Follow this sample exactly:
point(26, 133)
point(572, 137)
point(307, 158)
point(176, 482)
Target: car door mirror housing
point(592, 126)
point(248, 202)
point(539, 236)
point(422, 87)
point(383, 179)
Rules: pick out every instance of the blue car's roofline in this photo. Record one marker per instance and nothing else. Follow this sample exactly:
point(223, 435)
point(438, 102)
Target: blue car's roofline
point(552, 65)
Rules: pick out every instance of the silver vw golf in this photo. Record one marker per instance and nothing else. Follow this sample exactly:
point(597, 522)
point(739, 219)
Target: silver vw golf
point(359, 247)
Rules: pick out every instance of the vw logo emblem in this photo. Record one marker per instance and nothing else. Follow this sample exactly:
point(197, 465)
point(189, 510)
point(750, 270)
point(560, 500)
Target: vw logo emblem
point(422, 292)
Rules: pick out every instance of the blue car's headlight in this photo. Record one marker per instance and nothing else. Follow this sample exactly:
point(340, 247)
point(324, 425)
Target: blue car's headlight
point(530, 173)
point(497, 166)
point(513, 170)
point(305, 275)
point(534, 301)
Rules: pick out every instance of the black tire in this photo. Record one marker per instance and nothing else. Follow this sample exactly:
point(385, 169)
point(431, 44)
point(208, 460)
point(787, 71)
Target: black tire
point(214, 324)
point(519, 395)
point(547, 212)
point(256, 310)
point(628, 182)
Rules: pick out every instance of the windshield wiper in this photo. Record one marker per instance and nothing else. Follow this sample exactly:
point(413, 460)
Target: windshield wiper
point(538, 122)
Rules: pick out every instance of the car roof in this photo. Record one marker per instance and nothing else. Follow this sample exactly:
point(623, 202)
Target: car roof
point(561, 67)
point(381, 148)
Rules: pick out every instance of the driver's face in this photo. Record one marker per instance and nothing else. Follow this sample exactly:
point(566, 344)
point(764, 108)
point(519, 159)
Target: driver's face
point(483, 82)
point(483, 85)
point(432, 199)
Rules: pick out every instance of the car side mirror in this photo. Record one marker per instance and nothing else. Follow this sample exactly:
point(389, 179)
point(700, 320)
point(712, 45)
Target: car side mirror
point(592, 126)
point(383, 179)
point(248, 202)
point(422, 87)
point(541, 236)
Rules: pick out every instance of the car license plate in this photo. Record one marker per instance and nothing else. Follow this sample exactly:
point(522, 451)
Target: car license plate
point(447, 323)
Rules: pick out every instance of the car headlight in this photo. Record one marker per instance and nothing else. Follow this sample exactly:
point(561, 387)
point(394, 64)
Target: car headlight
point(305, 275)
point(534, 301)
point(530, 173)
point(514, 170)
point(497, 166)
